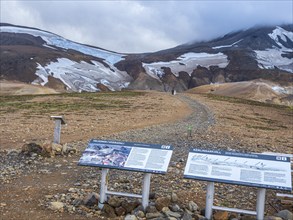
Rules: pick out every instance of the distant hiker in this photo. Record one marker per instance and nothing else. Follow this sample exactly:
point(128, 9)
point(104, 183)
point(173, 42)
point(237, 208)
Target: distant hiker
point(189, 131)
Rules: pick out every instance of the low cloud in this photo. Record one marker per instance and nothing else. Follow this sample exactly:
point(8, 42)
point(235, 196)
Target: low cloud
point(144, 26)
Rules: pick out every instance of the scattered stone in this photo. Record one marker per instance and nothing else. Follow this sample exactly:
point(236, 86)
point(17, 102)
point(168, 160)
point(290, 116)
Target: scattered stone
point(91, 199)
point(162, 202)
point(285, 215)
point(221, 215)
point(130, 217)
point(153, 215)
point(56, 206)
point(248, 217)
point(174, 197)
point(272, 218)
point(199, 217)
point(109, 211)
point(175, 208)
point(114, 201)
point(192, 206)
point(29, 149)
point(129, 206)
point(173, 214)
point(140, 214)
point(152, 195)
point(120, 211)
point(186, 216)
point(151, 209)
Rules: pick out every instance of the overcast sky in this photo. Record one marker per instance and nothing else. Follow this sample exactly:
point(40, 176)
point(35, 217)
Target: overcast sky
point(144, 26)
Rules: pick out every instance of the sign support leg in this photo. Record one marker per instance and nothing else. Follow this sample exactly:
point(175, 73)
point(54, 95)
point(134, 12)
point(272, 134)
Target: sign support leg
point(103, 189)
point(57, 131)
point(146, 190)
point(209, 200)
point(260, 203)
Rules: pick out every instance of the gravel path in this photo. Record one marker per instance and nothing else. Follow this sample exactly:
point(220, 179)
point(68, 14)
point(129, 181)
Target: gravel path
point(175, 134)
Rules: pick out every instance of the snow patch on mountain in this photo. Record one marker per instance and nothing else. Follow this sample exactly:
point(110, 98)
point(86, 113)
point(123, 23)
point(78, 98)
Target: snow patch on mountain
point(271, 58)
point(231, 45)
point(186, 63)
point(280, 33)
point(58, 41)
point(82, 76)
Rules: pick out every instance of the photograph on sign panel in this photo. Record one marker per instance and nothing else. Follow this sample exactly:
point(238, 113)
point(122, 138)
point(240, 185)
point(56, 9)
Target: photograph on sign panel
point(105, 154)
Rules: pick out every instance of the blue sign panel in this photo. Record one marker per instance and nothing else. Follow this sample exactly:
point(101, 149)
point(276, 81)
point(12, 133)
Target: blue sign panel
point(260, 170)
point(150, 158)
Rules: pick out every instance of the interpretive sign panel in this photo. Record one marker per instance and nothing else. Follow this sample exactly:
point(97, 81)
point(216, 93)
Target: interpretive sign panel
point(150, 158)
point(260, 170)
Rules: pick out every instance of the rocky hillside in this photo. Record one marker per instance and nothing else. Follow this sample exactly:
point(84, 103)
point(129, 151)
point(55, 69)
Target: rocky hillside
point(35, 56)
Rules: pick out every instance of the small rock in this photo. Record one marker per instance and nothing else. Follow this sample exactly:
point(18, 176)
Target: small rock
point(91, 199)
point(120, 211)
point(174, 197)
point(114, 201)
point(186, 216)
point(130, 206)
point(130, 217)
point(152, 195)
point(140, 214)
point(2, 204)
point(56, 206)
point(109, 211)
point(221, 215)
point(248, 217)
point(272, 218)
point(192, 206)
point(175, 208)
point(285, 215)
point(173, 214)
point(153, 215)
point(162, 202)
point(199, 217)
point(151, 209)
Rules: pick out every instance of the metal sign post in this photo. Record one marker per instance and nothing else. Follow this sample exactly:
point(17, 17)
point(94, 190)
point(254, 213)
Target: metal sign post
point(146, 190)
point(260, 205)
point(59, 120)
point(104, 192)
point(209, 200)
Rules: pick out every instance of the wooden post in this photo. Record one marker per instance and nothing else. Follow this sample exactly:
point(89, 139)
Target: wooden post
point(59, 120)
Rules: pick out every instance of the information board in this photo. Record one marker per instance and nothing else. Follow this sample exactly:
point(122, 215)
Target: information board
point(260, 170)
point(150, 158)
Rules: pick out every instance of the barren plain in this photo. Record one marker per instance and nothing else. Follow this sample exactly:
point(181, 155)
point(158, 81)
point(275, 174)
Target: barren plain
point(217, 122)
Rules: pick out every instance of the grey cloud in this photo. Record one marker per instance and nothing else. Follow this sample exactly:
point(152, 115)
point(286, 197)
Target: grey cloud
point(143, 26)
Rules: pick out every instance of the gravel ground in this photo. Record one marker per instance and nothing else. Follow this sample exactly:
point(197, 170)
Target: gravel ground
point(53, 177)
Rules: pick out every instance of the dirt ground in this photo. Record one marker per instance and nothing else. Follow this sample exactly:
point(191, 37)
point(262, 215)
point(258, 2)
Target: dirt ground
point(253, 128)
point(26, 125)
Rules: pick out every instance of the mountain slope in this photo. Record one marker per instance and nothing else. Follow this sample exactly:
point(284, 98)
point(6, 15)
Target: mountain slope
point(36, 56)
point(39, 57)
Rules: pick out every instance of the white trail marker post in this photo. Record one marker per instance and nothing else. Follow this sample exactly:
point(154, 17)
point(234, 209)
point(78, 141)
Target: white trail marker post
point(59, 120)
